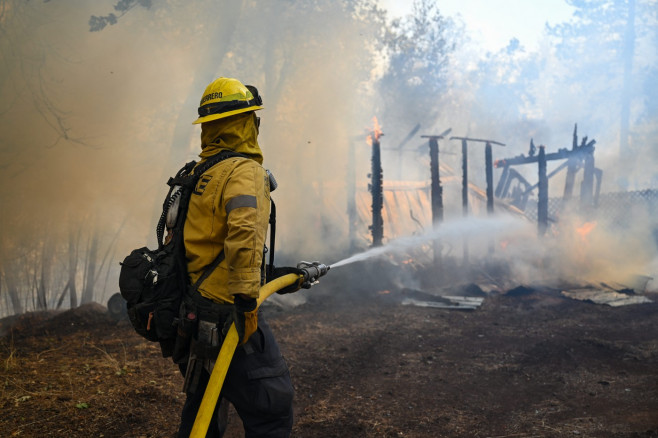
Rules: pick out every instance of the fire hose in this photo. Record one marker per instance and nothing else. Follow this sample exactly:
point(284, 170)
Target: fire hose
point(310, 273)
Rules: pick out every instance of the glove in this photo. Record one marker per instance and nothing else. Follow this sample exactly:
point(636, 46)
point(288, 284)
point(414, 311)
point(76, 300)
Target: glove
point(280, 272)
point(245, 317)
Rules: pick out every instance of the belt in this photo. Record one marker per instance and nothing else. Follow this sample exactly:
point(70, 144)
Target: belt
point(207, 309)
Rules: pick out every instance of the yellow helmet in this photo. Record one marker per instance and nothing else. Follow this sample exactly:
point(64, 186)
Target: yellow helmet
point(225, 97)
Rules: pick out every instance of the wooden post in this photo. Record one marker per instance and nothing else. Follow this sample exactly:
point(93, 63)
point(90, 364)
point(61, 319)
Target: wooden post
point(542, 205)
point(465, 192)
point(587, 186)
point(489, 170)
point(436, 189)
point(377, 190)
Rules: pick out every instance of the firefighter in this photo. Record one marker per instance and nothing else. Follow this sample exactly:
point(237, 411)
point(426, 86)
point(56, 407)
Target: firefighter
point(227, 222)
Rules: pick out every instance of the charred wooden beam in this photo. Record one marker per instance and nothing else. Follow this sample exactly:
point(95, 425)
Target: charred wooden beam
point(478, 140)
point(377, 191)
point(542, 206)
point(465, 192)
point(488, 160)
point(489, 169)
point(436, 189)
point(561, 154)
point(549, 176)
point(502, 183)
point(464, 178)
point(488, 164)
point(587, 186)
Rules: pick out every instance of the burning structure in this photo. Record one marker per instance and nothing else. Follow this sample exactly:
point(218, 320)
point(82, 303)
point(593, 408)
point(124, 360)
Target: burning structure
point(514, 186)
point(376, 187)
point(391, 209)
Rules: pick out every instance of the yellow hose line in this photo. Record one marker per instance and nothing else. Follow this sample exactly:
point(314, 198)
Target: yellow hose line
point(224, 358)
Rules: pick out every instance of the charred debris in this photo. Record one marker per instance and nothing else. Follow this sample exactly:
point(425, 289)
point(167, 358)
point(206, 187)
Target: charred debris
point(442, 278)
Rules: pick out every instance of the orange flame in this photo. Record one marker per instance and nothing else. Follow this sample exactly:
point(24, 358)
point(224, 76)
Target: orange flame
point(584, 230)
point(376, 131)
point(503, 244)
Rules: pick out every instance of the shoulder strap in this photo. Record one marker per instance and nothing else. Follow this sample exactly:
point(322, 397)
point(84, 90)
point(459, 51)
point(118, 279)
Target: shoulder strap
point(187, 178)
point(206, 273)
point(269, 274)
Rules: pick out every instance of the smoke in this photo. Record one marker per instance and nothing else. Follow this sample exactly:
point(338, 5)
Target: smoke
point(516, 95)
point(94, 122)
point(577, 252)
point(89, 117)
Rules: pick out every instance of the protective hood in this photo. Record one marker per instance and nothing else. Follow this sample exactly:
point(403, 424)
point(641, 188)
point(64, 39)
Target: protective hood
point(238, 133)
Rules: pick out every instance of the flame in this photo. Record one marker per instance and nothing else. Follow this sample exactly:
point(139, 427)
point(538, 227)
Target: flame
point(375, 132)
point(504, 243)
point(584, 230)
point(499, 163)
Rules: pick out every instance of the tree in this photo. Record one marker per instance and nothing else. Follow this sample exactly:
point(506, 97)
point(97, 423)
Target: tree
point(309, 60)
point(98, 23)
point(607, 52)
point(504, 99)
point(417, 49)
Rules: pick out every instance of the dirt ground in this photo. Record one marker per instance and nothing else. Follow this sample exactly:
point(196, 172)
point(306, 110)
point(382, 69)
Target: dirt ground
point(363, 365)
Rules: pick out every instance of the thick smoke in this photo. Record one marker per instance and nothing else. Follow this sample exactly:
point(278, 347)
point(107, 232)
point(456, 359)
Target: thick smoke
point(89, 118)
point(93, 123)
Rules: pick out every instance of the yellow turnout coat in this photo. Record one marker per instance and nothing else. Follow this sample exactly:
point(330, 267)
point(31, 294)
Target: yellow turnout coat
point(229, 211)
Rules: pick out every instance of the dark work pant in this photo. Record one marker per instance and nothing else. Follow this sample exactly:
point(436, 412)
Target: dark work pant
point(258, 386)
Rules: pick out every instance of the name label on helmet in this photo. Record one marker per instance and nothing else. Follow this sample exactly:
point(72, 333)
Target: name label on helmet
point(207, 97)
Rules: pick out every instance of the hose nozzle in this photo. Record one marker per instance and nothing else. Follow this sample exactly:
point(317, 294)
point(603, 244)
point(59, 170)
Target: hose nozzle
point(312, 271)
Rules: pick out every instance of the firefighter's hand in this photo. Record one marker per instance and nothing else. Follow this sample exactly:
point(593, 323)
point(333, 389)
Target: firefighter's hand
point(245, 317)
point(280, 272)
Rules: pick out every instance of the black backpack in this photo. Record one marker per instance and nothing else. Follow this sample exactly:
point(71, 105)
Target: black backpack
point(153, 282)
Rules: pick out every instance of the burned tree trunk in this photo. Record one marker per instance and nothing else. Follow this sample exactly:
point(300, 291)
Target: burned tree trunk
point(43, 284)
point(12, 290)
point(90, 271)
point(73, 268)
point(70, 288)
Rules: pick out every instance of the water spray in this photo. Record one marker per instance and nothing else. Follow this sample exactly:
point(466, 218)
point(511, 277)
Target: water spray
point(472, 227)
